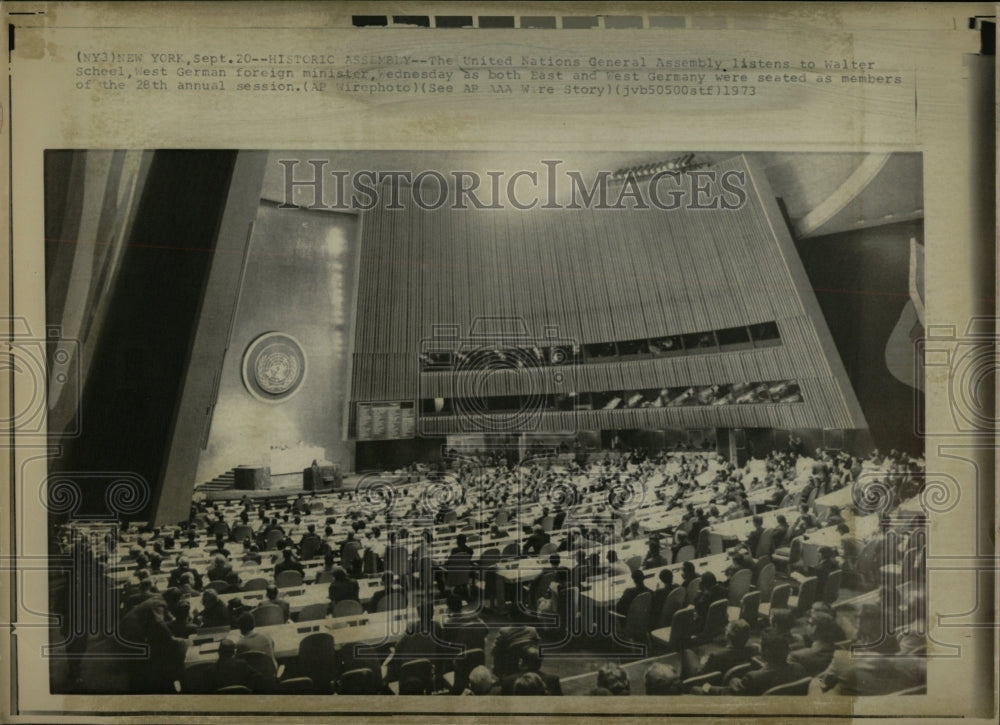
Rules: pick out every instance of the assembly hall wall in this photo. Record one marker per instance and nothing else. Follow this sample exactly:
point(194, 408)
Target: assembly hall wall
point(298, 281)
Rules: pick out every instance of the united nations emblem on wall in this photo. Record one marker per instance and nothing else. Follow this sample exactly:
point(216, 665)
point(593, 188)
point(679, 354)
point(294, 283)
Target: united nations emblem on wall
point(274, 367)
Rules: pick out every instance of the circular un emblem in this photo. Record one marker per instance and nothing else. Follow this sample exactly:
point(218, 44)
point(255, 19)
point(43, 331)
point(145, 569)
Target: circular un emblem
point(274, 367)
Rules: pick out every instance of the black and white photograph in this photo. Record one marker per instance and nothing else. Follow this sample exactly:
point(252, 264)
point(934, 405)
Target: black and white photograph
point(471, 362)
point(470, 423)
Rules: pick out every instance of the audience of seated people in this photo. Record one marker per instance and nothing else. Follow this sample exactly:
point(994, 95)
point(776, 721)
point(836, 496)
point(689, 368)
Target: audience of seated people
point(451, 611)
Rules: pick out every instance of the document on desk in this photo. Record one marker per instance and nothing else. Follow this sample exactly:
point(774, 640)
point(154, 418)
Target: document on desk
point(536, 279)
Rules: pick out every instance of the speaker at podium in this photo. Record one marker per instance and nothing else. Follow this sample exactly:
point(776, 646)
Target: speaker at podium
point(320, 478)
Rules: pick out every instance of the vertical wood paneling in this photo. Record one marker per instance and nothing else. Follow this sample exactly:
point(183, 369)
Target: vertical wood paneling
point(598, 276)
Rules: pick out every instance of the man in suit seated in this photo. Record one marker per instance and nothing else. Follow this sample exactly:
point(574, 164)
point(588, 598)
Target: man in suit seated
point(145, 591)
point(422, 640)
point(776, 670)
point(834, 517)
point(460, 631)
point(213, 610)
point(780, 535)
point(741, 559)
point(663, 590)
point(508, 646)
point(629, 595)
point(805, 522)
point(616, 567)
point(614, 679)
point(662, 679)
point(654, 558)
point(274, 601)
point(753, 538)
point(253, 641)
point(350, 554)
point(461, 627)
point(184, 567)
point(288, 563)
point(680, 541)
point(530, 683)
point(737, 651)
point(482, 682)
point(391, 591)
point(868, 674)
point(775, 499)
point(535, 541)
point(530, 663)
point(252, 555)
point(230, 670)
point(342, 587)
point(823, 631)
point(711, 591)
point(461, 546)
point(220, 569)
point(572, 541)
point(837, 633)
point(310, 540)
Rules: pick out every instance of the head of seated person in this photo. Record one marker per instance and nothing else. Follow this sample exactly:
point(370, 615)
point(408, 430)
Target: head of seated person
point(666, 579)
point(773, 649)
point(782, 620)
point(662, 679)
point(823, 628)
point(530, 683)
point(530, 659)
point(236, 609)
point(614, 679)
point(227, 649)
point(182, 611)
point(737, 634)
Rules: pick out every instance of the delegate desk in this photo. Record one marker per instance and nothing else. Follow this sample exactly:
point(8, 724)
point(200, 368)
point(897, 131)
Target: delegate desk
point(526, 570)
point(382, 628)
point(604, 592)
point(304, 595)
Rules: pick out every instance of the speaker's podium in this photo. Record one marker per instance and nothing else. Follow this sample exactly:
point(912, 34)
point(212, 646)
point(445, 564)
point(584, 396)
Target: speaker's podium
point(252, 478)
point(320, 478)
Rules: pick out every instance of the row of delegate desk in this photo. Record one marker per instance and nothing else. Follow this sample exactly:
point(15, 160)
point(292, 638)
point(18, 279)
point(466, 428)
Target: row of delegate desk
point(661, 514)
point(378, 629)
point(600, 593)
point(652, 515)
